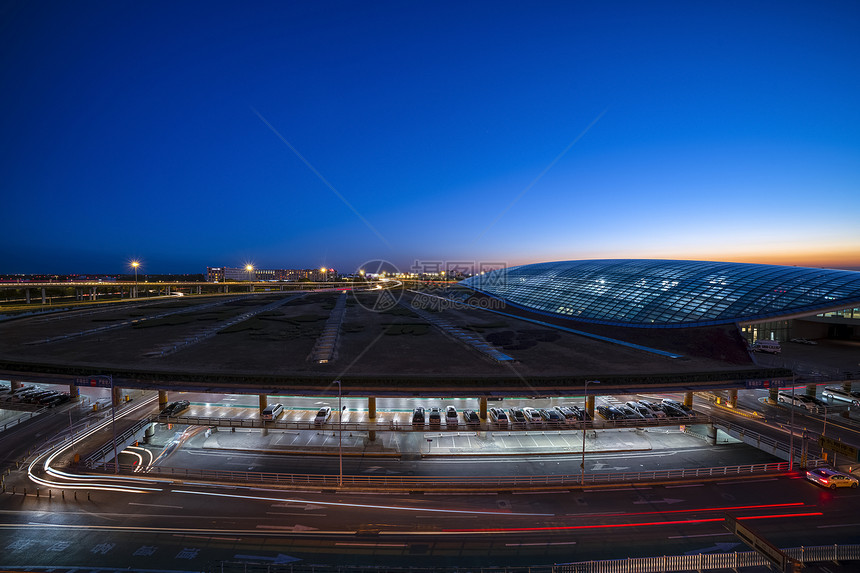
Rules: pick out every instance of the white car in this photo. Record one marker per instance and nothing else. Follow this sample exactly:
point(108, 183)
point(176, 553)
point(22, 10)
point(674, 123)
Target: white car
point(831, 478)
point(322, 416)
point(451, 416)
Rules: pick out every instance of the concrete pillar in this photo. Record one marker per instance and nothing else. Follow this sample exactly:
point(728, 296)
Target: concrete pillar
point(162, 399)
point(772, 395)
point(589, 406)
point(167, 291)
point(44, 298)
point(712, 435)
point(733, 398)
point(226, 289)
point(371, 407)
point(95, 293)
point(116, 396)
point(74, 392)
point(482, 407)
point(264, 401)
point(688, 399)
point(199, 289)
point(810, 389)
point(27, 294)
point(15, 384)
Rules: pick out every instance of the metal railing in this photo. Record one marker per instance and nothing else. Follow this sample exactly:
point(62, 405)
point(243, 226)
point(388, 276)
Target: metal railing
point(406, 426)
point(444, 482)
point(662, 564)
point(22, 418)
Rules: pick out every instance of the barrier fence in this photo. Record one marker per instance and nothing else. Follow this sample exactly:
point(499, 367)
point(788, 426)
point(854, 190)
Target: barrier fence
point(663, 564)
point(395, 426)
point(443, 482)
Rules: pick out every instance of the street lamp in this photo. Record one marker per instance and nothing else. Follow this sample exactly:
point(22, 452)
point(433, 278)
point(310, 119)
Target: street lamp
point(250, 269)
point(322, 270)
point(135, 264)
point(340, 435)
point(584, 414)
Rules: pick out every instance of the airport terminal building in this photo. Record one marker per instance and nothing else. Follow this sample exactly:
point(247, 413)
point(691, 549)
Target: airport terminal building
point(764, 301)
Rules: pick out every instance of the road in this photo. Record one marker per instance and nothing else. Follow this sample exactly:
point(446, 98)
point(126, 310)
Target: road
point(188, 525)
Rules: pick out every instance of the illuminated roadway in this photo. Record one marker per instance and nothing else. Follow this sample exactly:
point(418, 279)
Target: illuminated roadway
point(177, 525)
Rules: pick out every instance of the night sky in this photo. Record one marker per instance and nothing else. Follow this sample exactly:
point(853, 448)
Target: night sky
point(310, 133)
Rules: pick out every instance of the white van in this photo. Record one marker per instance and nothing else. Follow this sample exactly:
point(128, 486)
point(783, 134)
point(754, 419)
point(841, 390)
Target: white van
point(769, 346)
point(272, 411)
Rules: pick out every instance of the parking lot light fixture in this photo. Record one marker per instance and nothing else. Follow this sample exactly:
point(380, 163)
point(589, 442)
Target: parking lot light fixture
point(584, 414)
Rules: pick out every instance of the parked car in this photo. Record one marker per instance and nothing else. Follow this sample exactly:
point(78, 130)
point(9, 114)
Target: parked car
point(418, 416)
point(655, 409)
point(610, 412)
point(451, 416)
point(686, 410)
point(533, 416)
point(673, 411)
point(567, 413)
point(834, 393)
point(551, 417)
point(831, 478)
point(471, 418)
point(175, 408)
point(642, 410)
point(498, 416)
point(435, 416)
point(322, 416)
point(629, 413)
point(517, 416)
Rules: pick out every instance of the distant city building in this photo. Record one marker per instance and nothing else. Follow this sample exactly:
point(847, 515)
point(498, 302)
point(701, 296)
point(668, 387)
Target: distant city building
point(223, 274)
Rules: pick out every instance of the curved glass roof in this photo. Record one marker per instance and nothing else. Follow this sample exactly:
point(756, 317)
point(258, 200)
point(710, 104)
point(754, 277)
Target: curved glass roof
point(663, 293)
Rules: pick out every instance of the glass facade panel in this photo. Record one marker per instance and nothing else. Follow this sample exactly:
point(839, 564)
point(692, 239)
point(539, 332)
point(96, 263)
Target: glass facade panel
point(669, 293)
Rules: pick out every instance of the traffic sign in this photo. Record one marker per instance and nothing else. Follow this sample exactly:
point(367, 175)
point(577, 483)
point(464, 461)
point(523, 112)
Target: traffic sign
point(95, 381)
point(838, 447)
point(761, 545)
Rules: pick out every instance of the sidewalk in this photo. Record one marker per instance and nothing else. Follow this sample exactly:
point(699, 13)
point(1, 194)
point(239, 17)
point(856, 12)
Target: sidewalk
point(423, 444)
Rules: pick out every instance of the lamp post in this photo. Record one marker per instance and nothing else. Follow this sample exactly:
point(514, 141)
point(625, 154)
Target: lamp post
point(791, 429)
point(250, 269)
point(323, 270)
point(135, 264)
point(584, 414)
point(340, 436)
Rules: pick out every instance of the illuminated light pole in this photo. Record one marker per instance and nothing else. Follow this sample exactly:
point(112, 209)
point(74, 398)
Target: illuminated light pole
point(323, 270)
point(135, 264)
point(250, 269)
point(584, 414)
point(791, 426)
point(340, 436)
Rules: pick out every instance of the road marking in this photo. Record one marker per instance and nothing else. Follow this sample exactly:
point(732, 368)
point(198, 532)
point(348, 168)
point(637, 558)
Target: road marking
point(617, 489)
point(373, 544)
point(700, 535)
point(531, 544)
point(299, 514)
point(839, 525)
point(531, 492)
point(744, 482)
point(686, 485)
point(155, 505)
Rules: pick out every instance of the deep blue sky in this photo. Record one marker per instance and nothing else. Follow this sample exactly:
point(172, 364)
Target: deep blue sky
point(729, 131)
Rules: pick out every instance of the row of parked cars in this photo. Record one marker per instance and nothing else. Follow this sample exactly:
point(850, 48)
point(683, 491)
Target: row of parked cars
point(434, 416)
point(645, 409)
point(34, 395)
